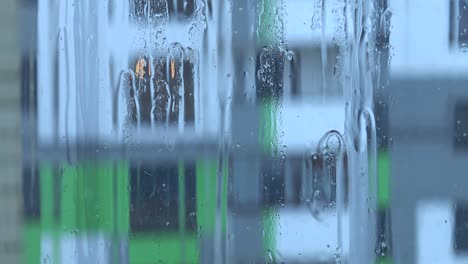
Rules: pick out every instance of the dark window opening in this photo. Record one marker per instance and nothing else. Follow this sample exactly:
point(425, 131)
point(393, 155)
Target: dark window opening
point(181, 8)
point(155, 197)
point(273, 173)
point(293, 179)
point(270, 77)
point(177, 9)
point(458, 31)
point(461, 126)
point(461, 229)
point(31, 193)
point(30, 182)
point(162, 104)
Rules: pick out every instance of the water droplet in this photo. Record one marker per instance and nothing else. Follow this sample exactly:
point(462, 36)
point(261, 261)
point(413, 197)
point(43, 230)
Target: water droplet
point(384, 244)
point(229, 75)
point(269, 256)
point(378, 251)
point(337, 255)
point(317, 194)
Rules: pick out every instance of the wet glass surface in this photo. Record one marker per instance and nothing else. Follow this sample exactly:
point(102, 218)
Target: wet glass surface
point(222, 131)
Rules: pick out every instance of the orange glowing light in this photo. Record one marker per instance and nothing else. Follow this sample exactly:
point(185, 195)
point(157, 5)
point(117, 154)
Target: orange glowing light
point(172, 69)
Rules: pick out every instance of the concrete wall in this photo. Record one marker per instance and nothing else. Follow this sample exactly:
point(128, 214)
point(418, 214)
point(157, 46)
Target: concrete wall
point(10, 140)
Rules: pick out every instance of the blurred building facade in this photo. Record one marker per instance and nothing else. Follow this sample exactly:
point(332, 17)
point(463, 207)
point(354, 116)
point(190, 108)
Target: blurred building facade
point(427, 120)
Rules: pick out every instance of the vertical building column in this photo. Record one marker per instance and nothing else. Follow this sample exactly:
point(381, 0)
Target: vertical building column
point(245, 201)
point(10, 131)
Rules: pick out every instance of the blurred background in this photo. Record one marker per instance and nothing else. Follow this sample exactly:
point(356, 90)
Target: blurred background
point(246, 131)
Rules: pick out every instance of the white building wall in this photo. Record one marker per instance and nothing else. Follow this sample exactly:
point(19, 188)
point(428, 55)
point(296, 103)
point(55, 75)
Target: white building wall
point(419, 39)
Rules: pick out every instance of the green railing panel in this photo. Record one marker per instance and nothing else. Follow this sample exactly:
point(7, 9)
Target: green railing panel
point(268, 29)
point(123, 198)
point(270, 223)
point(206, 173)
point(69, 199)
point(163, 248)
point(206, 194)
point(384, 179)
point(47, 197)
point(31, 243)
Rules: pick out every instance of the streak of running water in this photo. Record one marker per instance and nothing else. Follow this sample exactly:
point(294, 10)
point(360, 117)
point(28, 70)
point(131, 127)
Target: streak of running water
point(151, 59)
point(332, 148)
point(176, 61)
point(323, 47)
point(80, 90)
point(127, 82)
point(224, 92)
point(358, 78)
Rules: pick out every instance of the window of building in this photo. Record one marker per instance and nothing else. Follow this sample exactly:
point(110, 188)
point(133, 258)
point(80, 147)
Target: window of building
point(177, 9)
point(461, 126)
point(458, 32)
point(461, 229)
